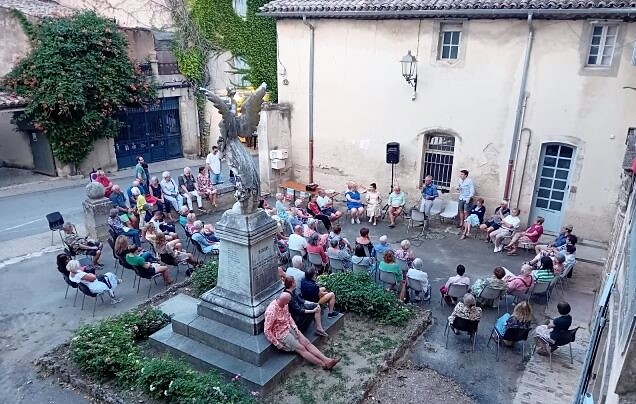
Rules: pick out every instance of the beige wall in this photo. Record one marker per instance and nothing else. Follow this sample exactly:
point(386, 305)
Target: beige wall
point(362, 102)
point(16, 147)
point(273, 133)
point(15, 44)
point(128, 13)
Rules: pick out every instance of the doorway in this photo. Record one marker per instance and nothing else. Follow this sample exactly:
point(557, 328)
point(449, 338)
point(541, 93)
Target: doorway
point(552, 186)
point(43, 161)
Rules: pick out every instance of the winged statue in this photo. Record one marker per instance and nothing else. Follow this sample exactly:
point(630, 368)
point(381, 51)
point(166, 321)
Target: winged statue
point(233, 126)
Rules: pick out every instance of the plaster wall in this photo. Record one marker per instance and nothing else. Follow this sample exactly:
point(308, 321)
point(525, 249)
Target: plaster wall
point(15, 44)
point(273, 134)
point(361, 102)
point(16, 147)
point(153, 14)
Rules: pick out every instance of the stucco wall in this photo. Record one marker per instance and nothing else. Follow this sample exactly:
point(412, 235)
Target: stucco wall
point(16, 148)
point(361, 102)
point(128, 13)
point(15, 44)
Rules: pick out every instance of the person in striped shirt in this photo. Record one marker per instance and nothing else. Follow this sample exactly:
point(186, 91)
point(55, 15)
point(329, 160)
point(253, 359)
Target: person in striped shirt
point(545, 273)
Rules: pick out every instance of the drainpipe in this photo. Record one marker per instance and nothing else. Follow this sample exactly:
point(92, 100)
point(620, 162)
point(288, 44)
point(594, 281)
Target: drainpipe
point(525, 161)
point(311, 99)
point(516, 158)
point(520, 108)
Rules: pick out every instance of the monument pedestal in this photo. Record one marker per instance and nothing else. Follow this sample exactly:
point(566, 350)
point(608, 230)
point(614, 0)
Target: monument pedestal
point(224, 329)
point(96, 217)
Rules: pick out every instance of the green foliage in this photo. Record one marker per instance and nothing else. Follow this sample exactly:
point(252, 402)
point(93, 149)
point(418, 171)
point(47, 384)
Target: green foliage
point(178, 382)
point(142, 323)
point(205, 277)
point(252, 39)
point(191, 63)
point(77, 76)
point(357, 293)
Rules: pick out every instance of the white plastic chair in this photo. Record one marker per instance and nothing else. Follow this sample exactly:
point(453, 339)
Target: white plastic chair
point(416, 286)
point(336, 265)
point(455, 291)
point(316, 260)
point(450, 211)
point(438, 207)
point(416, 217)
point(492, 294)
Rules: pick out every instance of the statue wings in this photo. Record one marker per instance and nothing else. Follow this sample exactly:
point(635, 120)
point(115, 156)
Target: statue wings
point(250, 111)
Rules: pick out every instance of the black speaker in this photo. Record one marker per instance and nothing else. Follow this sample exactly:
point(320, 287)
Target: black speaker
point(392, 153)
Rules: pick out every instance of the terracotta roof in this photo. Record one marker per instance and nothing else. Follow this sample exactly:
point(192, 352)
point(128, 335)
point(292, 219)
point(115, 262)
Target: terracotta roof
point(386, 8)
point(36, 8)
point(10, 101)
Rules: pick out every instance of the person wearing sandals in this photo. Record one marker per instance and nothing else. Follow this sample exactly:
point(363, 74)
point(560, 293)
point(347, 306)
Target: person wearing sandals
point(556, 330)
point(466, 309)
point(281, 330)
point(96, 283)
point(373, 203)
point(354, 202)
point(495, 220)
point(530, 236)
point(475, 217)
point(303, 311)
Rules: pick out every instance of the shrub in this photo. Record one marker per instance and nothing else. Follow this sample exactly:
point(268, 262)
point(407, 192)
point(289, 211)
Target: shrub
point(357, 293)
point(142, 323)
point(205, 277)
point(175, 380)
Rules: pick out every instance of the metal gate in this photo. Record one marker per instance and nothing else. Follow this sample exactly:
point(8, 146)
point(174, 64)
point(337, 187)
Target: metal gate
point(154, 133)
point(43, 161)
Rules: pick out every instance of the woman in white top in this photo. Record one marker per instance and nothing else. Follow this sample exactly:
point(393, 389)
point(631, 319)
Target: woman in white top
point(96, 284)
point(373, 203)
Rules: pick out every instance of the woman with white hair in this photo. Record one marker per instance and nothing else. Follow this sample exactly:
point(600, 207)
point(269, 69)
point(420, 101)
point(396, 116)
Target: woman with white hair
point(416, 272)
point(170, 191)
point(467, 309)
point(96, 283)
point(197, 235)
point(405, 253)
point(521, 282)
point(141, 205)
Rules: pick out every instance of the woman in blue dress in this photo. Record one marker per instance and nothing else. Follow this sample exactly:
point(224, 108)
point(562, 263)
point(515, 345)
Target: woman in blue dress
point(354, 203)
point(475, 217)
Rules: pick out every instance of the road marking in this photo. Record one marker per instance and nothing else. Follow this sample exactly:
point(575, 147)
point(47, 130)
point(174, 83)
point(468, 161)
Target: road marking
point(21, 225)
point(21, 258)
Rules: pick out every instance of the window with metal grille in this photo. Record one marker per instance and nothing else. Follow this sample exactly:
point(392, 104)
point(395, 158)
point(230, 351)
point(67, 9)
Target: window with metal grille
point(439, 151)
point(449, 41)
point(602, 45)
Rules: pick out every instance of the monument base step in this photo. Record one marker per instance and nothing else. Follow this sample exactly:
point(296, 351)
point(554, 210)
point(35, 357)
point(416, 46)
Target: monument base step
point(208, 344)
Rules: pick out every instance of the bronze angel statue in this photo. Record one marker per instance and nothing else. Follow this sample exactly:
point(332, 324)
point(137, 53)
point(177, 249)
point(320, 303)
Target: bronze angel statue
point(233, 126)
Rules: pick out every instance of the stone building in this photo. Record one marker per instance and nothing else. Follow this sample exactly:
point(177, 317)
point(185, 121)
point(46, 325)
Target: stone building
point(529, 97)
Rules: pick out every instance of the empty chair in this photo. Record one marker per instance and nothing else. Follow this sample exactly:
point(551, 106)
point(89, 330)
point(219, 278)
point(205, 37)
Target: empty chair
point(493, 294)
point(70, 284)
point(56, 222)
point(336, 265)
point(450, 211)
point(467, 326)
point(87, 292)
point(416, 218)
point(437, 208)
point(455, 291)
point(416, 286)
point(513, 335)
point(562, 279)
point(517, 296)
point(553, 346)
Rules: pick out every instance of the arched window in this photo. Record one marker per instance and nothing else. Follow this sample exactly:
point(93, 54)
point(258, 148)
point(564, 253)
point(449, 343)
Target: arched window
point(439, 151)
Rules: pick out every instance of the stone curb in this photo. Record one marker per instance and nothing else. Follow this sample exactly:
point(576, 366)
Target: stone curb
point(48, 365)
point(398, 353)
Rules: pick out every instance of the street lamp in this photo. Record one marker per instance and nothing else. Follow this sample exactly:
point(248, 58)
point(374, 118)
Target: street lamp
point(409, 69)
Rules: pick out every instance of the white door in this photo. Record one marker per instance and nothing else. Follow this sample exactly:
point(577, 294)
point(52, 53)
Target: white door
point(552, 187)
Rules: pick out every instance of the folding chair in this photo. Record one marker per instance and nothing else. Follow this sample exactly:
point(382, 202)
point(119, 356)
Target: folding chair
point(200, 253)
point(416, 286)
point(416, 218)
point(87, 292)
point(553, 346)
point(467, 326)
point(517, 296)
point(437, 208)
point(450, 211)
point(336, 265)
point(187, 234)
point(70, 284)
point(140, 272)
point(293, 253)
point(387, 278)
point(316, 260)
point(361, 268)
point(56, 222)
point(492, 294)
point(111, 243)
point(125, 265)
point(562, 280)
point(455, 291)
point(513, 335)
point(541, 288)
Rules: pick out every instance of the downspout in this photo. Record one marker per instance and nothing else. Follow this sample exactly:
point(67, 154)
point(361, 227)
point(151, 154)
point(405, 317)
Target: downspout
point(311, 99)
point(520, 108)
point(516, 158)
point(525, 161)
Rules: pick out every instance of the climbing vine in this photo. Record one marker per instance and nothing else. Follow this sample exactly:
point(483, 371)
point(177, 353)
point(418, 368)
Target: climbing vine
point(77, 77)
point(252, 39)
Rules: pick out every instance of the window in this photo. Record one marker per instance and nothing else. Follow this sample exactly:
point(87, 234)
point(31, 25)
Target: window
point(602, 45)
point(438, 159)
point(449, 39)
point(240, 7)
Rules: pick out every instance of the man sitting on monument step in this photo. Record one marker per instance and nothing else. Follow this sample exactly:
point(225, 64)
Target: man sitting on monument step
point(281, 330)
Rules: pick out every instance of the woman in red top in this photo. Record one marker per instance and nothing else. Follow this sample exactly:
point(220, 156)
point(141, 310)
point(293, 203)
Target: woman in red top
point(530, 236)
point(314, 247)
point(314, 210)
point(103, 179)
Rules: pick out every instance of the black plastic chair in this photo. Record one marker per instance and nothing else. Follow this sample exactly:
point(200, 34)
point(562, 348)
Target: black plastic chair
point(126, 265)
point(200, 253)
point(187, 234)
point(467, 326)
point(140, 272)
point(513, 335)
point(111, 243)
point(56, 222)
point(553, 346)
point(171, 261)
point(70, 284)
point(87, 292)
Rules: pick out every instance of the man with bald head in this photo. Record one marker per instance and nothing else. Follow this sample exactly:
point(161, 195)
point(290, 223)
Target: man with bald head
point(126, 214)
point(188, 188)
point(281, 330)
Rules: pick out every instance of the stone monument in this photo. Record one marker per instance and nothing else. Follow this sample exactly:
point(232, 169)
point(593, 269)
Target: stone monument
point(224, 329)
point(96, 209)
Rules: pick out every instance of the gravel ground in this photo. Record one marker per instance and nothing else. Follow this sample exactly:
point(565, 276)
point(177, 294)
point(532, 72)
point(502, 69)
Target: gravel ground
point(407, 383)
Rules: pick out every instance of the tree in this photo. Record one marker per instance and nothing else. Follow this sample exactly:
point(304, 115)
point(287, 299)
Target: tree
point(77, 77)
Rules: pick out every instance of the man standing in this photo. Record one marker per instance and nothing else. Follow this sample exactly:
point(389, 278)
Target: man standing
point(140, 172)
point(170, 191)
point(188, 188)
point(429, 194)
point(466, 190)
point(213, 164)
point(396, 201)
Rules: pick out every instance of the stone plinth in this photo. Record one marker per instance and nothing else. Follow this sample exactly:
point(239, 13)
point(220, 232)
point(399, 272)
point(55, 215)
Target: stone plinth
point(248, 278)
point(95, 218)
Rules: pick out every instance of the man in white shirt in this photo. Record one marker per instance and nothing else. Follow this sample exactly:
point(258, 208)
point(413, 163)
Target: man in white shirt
point(296, 241)
point(170, 191)
point(466, 190)
point(213, 163)
point(509, 224)
point(417, 273)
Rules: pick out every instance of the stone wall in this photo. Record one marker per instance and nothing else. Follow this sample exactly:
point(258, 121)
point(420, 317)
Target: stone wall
point(16, 147)
point(274, 132)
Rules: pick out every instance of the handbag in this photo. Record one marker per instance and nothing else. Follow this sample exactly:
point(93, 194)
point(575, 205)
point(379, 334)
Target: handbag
point(500, 324)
